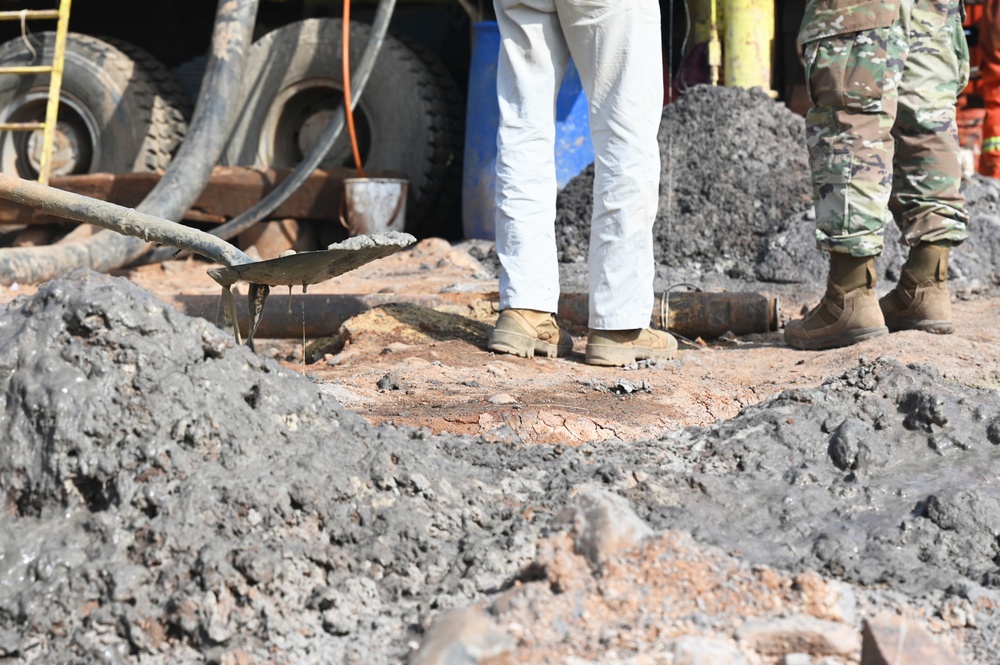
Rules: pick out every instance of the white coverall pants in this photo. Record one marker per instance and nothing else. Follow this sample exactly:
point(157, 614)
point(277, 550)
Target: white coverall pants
point(616, 47)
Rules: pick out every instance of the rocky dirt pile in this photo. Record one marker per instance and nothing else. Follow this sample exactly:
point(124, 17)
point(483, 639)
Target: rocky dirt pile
point(733, 166)
point(736, 201)
point(171, 498)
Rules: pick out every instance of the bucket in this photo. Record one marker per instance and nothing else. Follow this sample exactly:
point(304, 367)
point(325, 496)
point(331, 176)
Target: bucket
point(574, 150)
point(373, 205)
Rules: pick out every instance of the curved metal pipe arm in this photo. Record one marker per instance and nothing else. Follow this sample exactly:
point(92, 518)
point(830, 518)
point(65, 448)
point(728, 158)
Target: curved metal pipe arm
point(127, 221)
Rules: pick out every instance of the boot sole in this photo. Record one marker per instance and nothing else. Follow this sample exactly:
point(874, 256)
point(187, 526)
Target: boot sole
point(837, 341)
point(524, 346)
point(618, 356)
point(935, 327)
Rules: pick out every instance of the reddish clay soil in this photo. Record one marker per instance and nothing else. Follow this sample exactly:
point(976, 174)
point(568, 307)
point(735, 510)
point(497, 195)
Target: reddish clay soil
point(438, 373)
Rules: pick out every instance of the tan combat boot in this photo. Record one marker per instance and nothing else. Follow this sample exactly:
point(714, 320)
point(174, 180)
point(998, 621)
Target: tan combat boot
point(618, 348)
point(525, 332)
point(849, 311)
point(921, 300)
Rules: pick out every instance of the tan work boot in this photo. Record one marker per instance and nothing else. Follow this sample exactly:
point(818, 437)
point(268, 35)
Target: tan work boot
point(618, 348)
point(525, 332)
point(921, 299)
point(849, 311)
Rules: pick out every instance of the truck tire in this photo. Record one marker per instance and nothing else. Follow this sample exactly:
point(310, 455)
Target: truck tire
point(119, 110)
point(408, 118)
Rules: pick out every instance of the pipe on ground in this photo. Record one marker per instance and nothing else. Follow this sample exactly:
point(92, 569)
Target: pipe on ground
point(215, 112)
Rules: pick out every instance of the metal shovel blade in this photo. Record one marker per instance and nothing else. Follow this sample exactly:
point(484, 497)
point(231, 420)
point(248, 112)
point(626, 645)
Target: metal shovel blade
point(307, 268)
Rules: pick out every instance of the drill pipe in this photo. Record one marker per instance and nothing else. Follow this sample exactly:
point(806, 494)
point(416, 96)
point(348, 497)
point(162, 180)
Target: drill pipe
point(694, 314)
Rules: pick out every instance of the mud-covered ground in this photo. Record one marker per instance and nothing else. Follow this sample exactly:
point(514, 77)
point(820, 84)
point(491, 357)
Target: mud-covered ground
point(170, 497)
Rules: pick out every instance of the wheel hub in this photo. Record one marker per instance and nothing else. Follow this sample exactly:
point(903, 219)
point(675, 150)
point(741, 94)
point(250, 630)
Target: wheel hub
point(297, 117)
point(65, 150)
point(75, 147)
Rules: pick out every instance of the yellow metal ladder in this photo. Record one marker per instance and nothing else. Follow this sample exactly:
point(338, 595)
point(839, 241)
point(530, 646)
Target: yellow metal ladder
point(48, 127)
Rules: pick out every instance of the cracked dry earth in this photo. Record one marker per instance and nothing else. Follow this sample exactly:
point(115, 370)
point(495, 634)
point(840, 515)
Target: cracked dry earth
point(413, 366)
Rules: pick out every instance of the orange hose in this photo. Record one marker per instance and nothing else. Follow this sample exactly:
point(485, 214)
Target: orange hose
point(346, 60)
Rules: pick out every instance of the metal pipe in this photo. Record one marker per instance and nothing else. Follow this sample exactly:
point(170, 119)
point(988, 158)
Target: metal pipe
point(694, 314)
point(313, 315)
point(127, 221)
point(262, 209)
point(691, 314)
point(749, 43)
point(714, 45)
point(214, 115)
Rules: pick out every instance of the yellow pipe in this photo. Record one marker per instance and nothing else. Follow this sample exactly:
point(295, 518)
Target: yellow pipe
point(55, 85)
point(705, 20)
point(701, 20)
point(749, 43)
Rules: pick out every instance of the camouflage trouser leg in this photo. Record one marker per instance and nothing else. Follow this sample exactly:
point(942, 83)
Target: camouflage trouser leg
point(862, 103)
point(926, 200)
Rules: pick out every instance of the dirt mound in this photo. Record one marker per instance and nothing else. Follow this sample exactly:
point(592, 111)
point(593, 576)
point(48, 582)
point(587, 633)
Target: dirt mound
point(173, 498)
point(733, 167)
point(167, 493)
point(865, 478)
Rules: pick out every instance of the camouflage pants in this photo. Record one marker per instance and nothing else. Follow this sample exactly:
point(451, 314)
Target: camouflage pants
point(882, 135)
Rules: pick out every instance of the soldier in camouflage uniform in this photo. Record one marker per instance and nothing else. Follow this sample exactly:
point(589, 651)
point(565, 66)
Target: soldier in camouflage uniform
point(884, 76)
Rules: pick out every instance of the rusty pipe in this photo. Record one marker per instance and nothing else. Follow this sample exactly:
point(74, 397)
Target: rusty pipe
point(694, 314)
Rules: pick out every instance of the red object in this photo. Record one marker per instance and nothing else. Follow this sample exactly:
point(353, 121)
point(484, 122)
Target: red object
point(989, 85)
point(973, 17)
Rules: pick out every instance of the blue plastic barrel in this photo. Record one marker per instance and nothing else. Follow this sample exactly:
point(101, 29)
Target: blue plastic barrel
point(573, 150)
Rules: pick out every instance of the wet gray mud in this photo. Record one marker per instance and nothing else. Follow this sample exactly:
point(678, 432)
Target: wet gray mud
point(735, 208)
point(172, 498)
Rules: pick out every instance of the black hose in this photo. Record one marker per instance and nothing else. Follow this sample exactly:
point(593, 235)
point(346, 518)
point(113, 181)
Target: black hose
point(288, 186)
point(215, 113)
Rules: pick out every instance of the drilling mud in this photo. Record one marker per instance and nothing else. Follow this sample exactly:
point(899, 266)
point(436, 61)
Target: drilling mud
point(172, 498)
